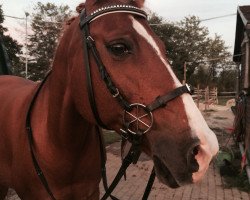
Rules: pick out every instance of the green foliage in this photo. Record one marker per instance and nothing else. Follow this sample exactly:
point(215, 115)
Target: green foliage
point(191, 45)
point(219, 56)
point(233, 176)
point(224, 154)
point(227, 80)
point(47, 24)
point(110, 137)
point(188, 41)
point(2, 29)
point(240, 181)
point(12, 47)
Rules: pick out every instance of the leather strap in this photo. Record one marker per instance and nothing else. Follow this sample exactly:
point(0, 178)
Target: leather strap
point(88, 43)
point(105, 75)
point(91, 96)
point(149, 185)
point(161, 101)
point(103, 162)
point(30, 139)
point(130, 158)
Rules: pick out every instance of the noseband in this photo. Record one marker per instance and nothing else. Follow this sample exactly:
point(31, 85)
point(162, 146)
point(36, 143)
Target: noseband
point(138, 124)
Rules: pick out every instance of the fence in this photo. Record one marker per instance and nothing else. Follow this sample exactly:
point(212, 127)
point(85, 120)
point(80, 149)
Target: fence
point(208, 96)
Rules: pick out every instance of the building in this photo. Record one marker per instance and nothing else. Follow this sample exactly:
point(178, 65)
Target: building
point(241, 48)
point(242, 59)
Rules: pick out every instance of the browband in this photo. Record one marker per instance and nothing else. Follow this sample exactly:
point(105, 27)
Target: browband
point(113, 9)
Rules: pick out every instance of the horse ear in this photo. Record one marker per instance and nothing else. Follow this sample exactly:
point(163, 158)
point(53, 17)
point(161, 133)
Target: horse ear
point(138, 3)
point(80, 7)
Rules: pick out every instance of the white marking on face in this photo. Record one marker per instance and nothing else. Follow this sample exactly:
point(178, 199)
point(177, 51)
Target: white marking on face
point(140, 29)
point(198, 125)
point(195, 119)
point(208, 142)
point(199, 128)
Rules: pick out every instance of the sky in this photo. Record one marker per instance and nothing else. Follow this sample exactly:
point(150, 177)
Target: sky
point(170, 10)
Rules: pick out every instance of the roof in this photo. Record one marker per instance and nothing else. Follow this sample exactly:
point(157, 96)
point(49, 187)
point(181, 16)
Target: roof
point(242, 25)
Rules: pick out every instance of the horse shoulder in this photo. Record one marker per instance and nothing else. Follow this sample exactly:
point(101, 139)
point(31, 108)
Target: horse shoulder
point(15, 95)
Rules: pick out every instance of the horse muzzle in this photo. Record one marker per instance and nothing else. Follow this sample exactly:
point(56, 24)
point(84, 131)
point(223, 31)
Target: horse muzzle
point(176, 166)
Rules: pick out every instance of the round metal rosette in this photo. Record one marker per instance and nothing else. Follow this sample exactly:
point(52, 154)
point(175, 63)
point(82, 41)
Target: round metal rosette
point(139, 120)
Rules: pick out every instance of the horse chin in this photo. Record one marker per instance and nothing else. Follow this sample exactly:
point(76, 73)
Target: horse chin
point(163, 173)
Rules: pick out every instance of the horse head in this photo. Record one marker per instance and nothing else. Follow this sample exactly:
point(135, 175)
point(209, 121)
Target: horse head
point(176, 136)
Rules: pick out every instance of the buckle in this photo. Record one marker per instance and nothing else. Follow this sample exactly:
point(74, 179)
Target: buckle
point(116, 94)
point(90, 41)
point(124, 134)
point(188, 87)
point(89, 38)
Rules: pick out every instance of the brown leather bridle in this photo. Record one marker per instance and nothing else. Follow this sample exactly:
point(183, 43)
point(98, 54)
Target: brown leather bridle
point(134, 124)
point(89, 45)
point(134, 113)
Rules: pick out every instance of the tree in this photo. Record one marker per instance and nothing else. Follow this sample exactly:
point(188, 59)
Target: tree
point(47, 24)
point(188, 41)
point(13, 48)
point(200, 77)
point(227, 79)
point(218, 55)
point(191, 40)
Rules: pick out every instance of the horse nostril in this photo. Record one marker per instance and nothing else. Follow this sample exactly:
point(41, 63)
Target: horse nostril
point(193, 165)
point(196, 150)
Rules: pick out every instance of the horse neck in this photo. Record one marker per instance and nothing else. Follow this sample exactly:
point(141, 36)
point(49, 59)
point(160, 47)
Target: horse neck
point(65, 126)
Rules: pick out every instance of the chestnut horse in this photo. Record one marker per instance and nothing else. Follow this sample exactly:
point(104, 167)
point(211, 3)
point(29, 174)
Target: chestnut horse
point(65, 140)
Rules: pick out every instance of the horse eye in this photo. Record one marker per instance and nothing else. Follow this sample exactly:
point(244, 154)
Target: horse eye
point(119, 49)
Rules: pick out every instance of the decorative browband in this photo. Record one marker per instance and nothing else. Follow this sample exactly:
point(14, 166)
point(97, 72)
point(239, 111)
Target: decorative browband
point(113, 9)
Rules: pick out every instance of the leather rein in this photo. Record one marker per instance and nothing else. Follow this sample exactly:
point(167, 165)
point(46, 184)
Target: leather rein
point(129, 132)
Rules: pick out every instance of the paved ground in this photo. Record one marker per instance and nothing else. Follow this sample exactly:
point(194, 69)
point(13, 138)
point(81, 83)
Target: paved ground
point(211, 188)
